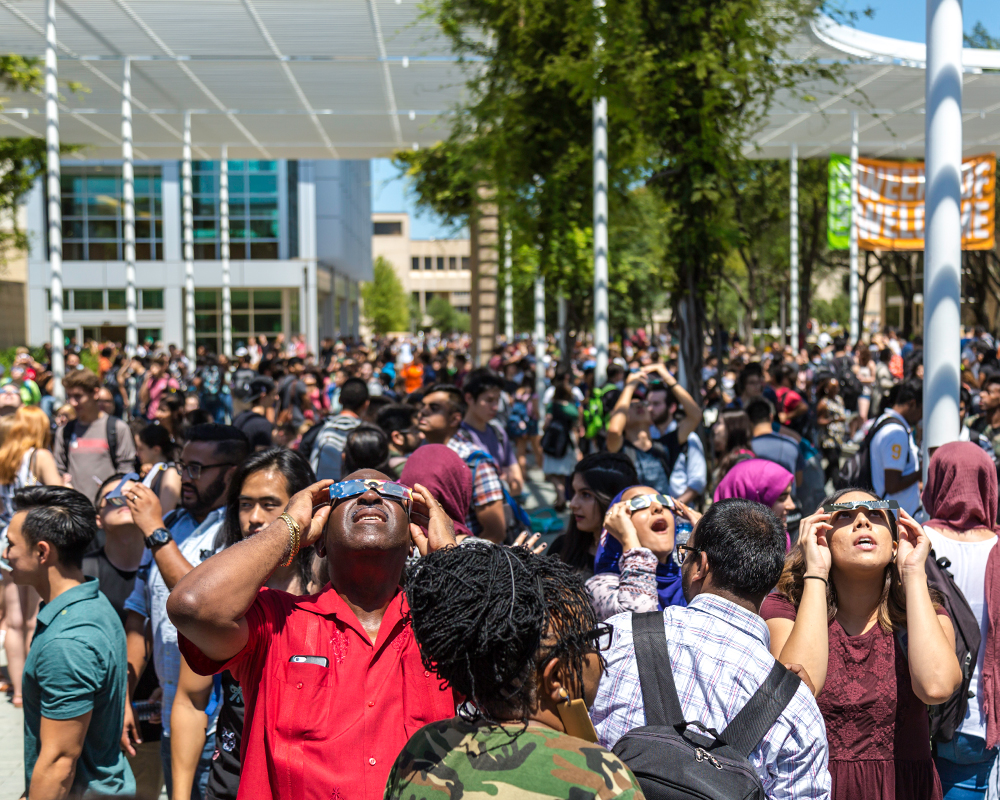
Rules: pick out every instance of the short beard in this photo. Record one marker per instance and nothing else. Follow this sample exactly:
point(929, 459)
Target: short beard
point(202, 504)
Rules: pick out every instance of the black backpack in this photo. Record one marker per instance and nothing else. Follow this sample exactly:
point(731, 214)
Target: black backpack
point(850, 386)
point(856, 472)
point(677, 760)
point(556, 439)
point(945, 718)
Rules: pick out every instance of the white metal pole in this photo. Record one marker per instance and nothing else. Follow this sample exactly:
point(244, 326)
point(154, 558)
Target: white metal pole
point(188, 221)
point(54, 186)
point(128, 210)
point(853, 281)
point(793, 286)
point(601, 312)
point(508, 292)
point(943, 227)
point(227, 305)
point(540, 336)
point(562, 325)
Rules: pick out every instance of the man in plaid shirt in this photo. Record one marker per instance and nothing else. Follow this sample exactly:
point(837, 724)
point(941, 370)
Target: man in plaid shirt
point(719, 651)
point(441, 412)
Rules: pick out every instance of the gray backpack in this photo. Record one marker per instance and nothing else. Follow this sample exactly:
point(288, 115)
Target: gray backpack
point(677, 760)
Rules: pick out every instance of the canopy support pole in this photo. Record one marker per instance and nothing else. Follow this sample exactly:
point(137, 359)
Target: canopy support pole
point(227, 299)
point(187, 204)
point(853, 282)
point(508, 292)
point(601, 313)
point(943, 231)
point(540, 336)
point(128, 210)
point(793, 284)
point(54, 187)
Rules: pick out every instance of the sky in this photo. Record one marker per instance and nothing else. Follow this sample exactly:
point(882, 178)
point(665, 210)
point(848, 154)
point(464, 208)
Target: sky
point(895, 18)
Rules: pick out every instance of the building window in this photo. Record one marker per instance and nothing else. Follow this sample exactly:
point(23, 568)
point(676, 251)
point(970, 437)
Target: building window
point(440, 262)
point(93, 214)
point(465, 262)
point(415, 263)
point(452, 262)
point(255, 312)
point(253, 210)
point(388, 229)
point(151, 300)
point(428, 263)
point(292, 167)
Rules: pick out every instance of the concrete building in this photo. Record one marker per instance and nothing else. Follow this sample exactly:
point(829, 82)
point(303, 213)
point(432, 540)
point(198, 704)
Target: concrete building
point(299, 247)
point(428, 268)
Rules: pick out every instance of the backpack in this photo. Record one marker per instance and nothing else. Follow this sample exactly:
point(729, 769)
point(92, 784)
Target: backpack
point(556, 438)
point(673, 759)
point(595, 410)
point(327, 454)
point(856, 472)
point(945, 718)
point(517, 419)
point(850, 386)
point(517, 518)
point(112, 434)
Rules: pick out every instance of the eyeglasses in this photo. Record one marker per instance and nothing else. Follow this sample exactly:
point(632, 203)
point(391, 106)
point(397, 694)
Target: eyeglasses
point(681, 551)
point(194, 470)
point(387, 489)
point(601, 636)
point(646, 500)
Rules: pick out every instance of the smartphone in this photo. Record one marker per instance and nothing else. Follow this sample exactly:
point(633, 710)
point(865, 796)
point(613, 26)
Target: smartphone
point(319, 661)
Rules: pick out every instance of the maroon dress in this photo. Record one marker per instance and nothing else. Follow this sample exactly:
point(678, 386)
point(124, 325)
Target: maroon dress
point(876, 726)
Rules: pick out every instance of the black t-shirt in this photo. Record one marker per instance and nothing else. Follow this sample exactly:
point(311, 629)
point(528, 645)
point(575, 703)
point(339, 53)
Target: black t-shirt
point(256, 427)
point(224, 778)
point(117, 585)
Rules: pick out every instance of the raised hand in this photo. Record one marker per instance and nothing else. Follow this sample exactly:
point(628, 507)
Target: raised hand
point(815, 545)
point(914, 546)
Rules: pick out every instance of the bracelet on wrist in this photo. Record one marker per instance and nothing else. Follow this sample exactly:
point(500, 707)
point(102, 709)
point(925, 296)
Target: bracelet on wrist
point(294, 538)
point(815, 578)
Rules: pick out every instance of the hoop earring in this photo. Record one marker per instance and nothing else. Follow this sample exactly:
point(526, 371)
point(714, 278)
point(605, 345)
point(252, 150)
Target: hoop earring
point(575, 718)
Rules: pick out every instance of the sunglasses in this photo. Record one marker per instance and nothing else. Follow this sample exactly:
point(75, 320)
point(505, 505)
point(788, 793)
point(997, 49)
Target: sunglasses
point(387, 489)
point(646, 500)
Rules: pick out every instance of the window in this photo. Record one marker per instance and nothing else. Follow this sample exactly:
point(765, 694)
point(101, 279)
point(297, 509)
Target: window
point(452, 262)
point(440, 262)
point(88, 300)
point(93, 211)
point(253, 209)
point(428, 263)
point(466, 262)
point(254, 312)
point(388, 229)
point(116, 299)
point(151, 300)
point(415, 263)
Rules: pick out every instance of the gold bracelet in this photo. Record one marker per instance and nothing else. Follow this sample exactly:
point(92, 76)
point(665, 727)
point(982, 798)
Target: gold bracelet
point(294, 532)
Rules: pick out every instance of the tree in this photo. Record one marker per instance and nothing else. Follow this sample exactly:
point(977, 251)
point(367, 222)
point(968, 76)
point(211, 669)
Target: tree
point(445, 318)
point(386, 305)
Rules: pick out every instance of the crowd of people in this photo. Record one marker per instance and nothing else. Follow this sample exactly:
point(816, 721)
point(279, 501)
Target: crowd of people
point(313, 575)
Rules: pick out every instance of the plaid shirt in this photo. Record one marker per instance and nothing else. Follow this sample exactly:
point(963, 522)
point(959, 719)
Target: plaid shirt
point(486, 487)
point(719, 657)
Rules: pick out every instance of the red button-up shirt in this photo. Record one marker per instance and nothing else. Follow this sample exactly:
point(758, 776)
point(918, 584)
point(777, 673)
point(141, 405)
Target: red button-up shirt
point(332, 732)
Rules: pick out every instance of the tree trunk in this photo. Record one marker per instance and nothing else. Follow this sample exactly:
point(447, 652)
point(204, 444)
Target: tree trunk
point(691, 316)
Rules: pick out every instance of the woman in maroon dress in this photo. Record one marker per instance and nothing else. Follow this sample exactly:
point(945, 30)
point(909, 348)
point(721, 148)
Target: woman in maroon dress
point(853, 589)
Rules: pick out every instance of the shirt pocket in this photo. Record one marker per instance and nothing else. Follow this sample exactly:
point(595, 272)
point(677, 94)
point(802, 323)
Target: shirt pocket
point(302, 704)
point(423, 700)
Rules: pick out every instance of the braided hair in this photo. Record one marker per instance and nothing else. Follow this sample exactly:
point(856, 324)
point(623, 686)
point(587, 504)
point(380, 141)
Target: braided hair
point(487, 618)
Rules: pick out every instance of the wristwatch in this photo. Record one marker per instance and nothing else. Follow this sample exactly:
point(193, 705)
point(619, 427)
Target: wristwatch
point(158, 538)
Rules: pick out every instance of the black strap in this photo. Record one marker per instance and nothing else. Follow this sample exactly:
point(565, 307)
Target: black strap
point(755, 719)
point(111, 430)
point(659, 694)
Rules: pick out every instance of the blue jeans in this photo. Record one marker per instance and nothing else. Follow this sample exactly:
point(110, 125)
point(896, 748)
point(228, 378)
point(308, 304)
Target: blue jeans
point(964, 766)
point(200, 775)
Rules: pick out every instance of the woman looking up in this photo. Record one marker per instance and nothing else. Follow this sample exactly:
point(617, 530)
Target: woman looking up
point(514, 633)
point(852, 588)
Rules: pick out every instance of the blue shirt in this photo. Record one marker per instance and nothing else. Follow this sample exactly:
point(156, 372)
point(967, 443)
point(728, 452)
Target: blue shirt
point(78, 664)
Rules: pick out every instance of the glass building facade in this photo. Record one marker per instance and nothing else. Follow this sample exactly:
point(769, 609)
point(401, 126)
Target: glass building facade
point(254, 227)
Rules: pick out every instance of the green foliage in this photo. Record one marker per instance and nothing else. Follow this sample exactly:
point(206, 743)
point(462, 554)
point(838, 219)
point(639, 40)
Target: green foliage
point(837, 310)
point(980, 37)
point(386, 305)
point(8, 354)
point(445, 318)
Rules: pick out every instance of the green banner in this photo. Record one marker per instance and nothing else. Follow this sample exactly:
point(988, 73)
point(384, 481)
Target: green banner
point(838, 206)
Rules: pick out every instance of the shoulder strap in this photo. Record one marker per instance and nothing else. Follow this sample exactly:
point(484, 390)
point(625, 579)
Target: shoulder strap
point(755, 719)
point(112, 433)
point(67, 436)
point(659, 694)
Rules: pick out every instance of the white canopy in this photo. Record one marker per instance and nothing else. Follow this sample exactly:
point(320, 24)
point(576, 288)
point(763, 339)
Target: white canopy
point(270, 78)
point(885, 83)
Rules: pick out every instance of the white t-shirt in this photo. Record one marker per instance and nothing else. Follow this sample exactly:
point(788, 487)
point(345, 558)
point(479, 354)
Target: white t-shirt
point(550, 393)
point(893, 448)
point(968, 566)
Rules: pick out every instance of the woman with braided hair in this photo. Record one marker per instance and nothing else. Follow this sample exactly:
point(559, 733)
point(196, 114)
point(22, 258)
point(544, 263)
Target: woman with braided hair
point(514, 633)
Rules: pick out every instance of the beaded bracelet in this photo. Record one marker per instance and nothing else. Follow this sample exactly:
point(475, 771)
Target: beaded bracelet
point(294, 534)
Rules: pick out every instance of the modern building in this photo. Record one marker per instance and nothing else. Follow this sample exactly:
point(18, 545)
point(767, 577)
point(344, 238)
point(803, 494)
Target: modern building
point(298, 248)
point(428, 268)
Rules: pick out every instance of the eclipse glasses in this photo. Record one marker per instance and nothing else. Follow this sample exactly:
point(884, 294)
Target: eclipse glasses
point(387, 489)
point(870, 505)
point(646, 500)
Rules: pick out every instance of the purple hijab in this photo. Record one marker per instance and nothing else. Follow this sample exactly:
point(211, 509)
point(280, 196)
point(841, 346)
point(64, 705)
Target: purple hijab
point(756, 479)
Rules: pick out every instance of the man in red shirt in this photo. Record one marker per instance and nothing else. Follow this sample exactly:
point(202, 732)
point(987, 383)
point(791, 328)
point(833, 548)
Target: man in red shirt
point(333, 684)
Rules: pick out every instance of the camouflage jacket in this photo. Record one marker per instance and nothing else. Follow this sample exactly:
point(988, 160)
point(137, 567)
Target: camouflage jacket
point(452, 759)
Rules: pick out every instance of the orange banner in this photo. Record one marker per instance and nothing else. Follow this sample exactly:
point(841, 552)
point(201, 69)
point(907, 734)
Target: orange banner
point(891, 204)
